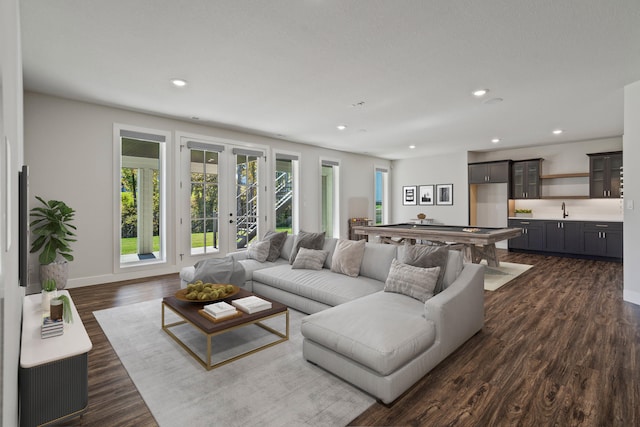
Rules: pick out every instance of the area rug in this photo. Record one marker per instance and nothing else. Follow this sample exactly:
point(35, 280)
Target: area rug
point(273, 387)
point(495, 277)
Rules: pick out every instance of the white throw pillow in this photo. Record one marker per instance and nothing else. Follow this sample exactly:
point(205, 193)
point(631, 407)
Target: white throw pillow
point(309, 259)
point(259, 250)
point(415, 282)
point(347, 257)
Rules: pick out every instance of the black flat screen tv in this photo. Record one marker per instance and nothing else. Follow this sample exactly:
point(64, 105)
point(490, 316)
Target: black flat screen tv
point(23, 225)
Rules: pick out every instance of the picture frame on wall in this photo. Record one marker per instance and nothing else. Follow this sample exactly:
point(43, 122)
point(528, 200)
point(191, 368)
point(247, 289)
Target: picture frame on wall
point(425, 195)
point(409, 195)
point(444, 194)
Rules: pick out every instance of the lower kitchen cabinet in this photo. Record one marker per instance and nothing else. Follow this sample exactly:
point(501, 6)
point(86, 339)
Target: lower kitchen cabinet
point(531, 237)
point(563, 236)
point(586, 238)
point(603, 239)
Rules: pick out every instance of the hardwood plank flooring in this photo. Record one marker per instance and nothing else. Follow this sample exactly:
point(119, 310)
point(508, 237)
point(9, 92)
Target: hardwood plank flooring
point(559, 347)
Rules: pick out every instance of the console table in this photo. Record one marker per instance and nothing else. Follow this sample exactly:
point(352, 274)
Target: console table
point(53, 377)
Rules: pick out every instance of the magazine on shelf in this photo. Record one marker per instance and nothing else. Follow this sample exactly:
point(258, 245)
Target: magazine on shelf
point(251, 304)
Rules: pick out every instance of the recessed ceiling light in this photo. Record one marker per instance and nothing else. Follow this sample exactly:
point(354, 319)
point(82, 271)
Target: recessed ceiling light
point(179, 82)
point(495, 140)
point(412, 146)
point(480, 92)
point(341, 127)
point(557, 131)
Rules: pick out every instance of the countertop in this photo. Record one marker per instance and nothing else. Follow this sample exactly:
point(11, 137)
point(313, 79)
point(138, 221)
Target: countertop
point(595, 218)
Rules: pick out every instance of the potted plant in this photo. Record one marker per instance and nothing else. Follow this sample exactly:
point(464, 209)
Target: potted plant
point(49, 291)
point(524, 213)
point(53, 230)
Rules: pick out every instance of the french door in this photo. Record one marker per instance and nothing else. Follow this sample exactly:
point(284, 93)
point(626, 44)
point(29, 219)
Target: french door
point(223, 201)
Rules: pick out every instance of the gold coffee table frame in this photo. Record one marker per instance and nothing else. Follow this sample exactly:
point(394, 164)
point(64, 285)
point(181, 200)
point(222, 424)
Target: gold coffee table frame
point(188, 312)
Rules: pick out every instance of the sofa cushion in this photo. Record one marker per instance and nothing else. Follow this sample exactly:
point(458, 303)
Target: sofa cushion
point(259, 250)
point(415, 282)
point(323, 285)
point(310, 259)
point(306, 240)
point(426, 256)
point(382, 331)
point(377, 260)
point(455, 263)
point(347, 257)
point(277, 241)
point(329, 246)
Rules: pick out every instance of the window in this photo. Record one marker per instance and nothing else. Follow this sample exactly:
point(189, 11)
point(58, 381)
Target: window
point(204, 202)
point(141, 234)
point(330, 197)
point(286, 198)
point(247, 164)
point(381, 195)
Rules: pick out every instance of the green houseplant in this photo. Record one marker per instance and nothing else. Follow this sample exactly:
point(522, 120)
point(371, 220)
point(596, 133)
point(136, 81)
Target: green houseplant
point(53, 230)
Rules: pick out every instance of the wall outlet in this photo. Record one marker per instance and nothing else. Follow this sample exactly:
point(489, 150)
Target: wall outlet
point(630, 205)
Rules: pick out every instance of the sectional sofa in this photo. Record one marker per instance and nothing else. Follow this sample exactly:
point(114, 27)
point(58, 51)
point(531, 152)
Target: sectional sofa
point(382, 342)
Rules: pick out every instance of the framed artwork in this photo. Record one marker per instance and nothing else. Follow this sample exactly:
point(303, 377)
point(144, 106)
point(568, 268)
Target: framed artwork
point(444, 194)
point(409, 196)
point(425, 195)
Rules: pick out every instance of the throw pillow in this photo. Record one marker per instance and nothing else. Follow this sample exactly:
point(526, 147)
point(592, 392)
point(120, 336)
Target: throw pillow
point(415, 282)
point(259, 250)
point(310, 259)
point(347, 257)
point(306, 240)
point(277, 242)
point(426, 256)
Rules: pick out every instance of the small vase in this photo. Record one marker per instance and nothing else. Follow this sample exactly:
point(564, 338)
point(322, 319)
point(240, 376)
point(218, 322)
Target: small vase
point(46, 301)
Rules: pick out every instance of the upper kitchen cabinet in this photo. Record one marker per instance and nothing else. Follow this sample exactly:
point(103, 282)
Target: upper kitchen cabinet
point(489, 172)
point(525, 179)
point(604, 175)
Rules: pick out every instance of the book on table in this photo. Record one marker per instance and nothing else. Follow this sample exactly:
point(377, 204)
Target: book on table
point(51, 328)
point(219, 310)
point(251, 304)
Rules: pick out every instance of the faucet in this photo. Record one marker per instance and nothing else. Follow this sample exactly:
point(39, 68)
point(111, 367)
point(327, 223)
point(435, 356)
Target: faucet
point(564, 212)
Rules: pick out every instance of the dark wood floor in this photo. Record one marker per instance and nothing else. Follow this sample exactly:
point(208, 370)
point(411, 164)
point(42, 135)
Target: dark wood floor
point(559, 347)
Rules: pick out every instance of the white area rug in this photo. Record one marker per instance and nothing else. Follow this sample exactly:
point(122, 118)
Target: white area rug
point(273, 387)
point(495, 277)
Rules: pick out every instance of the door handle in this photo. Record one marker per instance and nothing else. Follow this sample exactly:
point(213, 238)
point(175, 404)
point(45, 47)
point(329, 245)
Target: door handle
point(230, 221)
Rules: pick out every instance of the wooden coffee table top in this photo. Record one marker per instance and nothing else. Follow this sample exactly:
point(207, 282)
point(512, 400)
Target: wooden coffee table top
point(189, 310)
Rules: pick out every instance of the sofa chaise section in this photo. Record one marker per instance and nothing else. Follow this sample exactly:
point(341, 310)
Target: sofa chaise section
point(385, 342)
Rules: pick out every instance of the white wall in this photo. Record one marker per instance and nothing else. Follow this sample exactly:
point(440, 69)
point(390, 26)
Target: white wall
point(444, 169)
point(69, 148)
point(11, 130)
point(631, 153)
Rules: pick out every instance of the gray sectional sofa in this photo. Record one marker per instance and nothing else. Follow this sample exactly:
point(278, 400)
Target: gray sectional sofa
point(382, 342)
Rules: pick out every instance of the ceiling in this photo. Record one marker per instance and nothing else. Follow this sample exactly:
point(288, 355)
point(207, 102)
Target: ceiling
point(396, 73)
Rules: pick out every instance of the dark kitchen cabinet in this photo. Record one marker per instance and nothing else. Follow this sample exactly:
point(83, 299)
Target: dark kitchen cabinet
point(489, 172)
point(563, 236)
point(525, 179)
point(604, 175)
point(603, 239)
point(531, 237)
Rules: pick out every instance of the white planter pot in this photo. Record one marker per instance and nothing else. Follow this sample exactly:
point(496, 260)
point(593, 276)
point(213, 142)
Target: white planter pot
point(58, 271)
point(46, 300)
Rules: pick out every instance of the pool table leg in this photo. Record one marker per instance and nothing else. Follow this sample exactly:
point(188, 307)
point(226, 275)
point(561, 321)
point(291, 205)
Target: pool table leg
point(475, 254)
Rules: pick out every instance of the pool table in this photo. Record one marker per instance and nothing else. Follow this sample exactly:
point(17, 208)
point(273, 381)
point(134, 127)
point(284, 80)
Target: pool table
point(477, 242)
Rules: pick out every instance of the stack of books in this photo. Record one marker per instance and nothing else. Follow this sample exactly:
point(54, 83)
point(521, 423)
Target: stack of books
point(51, 328)
point(220, 310)
point(251, 304)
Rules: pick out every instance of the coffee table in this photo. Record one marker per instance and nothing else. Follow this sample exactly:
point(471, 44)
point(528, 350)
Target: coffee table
point(188, 312)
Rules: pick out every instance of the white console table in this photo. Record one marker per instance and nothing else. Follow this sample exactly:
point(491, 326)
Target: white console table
point(53, 371)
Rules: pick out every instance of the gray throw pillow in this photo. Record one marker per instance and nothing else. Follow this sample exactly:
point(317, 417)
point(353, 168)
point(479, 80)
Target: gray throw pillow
point(310, 259)
point(347, 257)
point(415, 282)
point(277, 242)
point(220, 270)
point(306, 240)
point(426, 256)
point(259, 250)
